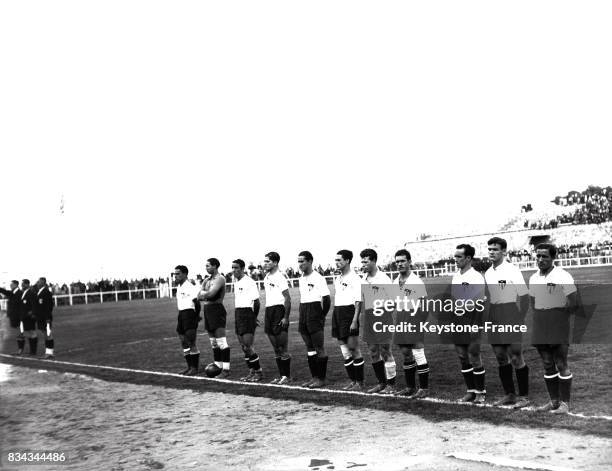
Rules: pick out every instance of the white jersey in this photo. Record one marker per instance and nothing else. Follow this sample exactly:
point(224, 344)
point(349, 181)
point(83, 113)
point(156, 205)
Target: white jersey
point(376, 288)
point(468, 285)
point(506, 283)
point(551, 290)
point(312, 288)
point(413, 287)
point(347, 289)
point(185, 294)
point(274, 285)
point(245, 292)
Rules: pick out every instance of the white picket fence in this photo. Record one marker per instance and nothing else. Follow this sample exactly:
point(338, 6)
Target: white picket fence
point(167, 292)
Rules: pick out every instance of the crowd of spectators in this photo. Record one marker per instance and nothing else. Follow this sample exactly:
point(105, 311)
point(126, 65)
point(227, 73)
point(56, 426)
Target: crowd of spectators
point(591, 206)
point(105, 285)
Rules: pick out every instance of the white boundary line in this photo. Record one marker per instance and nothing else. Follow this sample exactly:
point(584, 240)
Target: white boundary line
point(282, 386)
point(500, 461)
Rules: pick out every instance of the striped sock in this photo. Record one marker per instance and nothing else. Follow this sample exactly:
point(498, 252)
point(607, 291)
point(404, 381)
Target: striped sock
point(423, 371)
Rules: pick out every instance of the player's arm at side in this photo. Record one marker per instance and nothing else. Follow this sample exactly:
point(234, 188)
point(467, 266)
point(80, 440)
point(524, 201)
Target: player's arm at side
point(522, 291)
point(355, 321)
point(326, 296)
point(571, 294)
point(217, 285)
point(285, 320)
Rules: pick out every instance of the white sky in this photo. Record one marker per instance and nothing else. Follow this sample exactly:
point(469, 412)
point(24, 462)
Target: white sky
point(178, 131)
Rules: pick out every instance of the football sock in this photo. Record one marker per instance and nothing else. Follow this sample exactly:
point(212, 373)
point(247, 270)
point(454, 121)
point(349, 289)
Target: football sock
point(379, 371)
point(390, 371)
point(350, 369)
point(286, 367)
point(253, 362)
point(479, 379)
point(246, 361)
point(49, 344)
point(225, 358)
point(312, 363)
point(187, 356)
point(423, 371)
point(322, 367)
point(195, 360)
point(20, 342)
point(33, 345)
point(468, 376)
point(279, 365)
point(551, 378)
point(358, 369)
point(217, 357)
point(522, 380)
point(410, 373)
point(565, 386)
point(505, 374)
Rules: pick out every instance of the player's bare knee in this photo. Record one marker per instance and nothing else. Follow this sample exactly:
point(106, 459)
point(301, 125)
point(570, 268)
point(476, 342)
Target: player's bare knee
point(475, 360)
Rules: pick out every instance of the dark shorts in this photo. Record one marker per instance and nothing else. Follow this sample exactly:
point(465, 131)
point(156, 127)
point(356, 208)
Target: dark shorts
point(187, 320)
point(41, 324)
point(29, 322)
point(312, 319)
point(341, 322)
point(550, 326)
point(500, 314)
point(467, 320)
point(215, 317)
point(246, 321)
point(14, 320)
point(274, 314)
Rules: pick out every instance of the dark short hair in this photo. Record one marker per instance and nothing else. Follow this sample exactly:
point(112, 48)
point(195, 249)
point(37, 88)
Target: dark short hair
point(240, 263)
point(468, 250)
point(552, 249)
point(15, 281)
point(499, 241)
point(346, 255)
point(403, 252)
point(214, 262)
point(26, 281)
point(43, 279)
point(307, 255)
point(369, 253)
point(182, 268)
point(273, 257)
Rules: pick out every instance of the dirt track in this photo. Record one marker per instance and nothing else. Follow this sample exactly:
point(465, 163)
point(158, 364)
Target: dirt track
point(102, 425)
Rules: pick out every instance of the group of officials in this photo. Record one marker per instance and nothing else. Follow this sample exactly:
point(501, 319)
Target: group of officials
point(502, 286)
point(30, 309)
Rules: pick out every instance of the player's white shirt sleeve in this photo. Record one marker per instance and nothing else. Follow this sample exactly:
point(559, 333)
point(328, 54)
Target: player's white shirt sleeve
point(322, 287)
point(419, 285)
point(253, 289)
point(519, 281)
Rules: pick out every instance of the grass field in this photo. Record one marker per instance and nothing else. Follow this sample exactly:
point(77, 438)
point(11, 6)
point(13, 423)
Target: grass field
point(140, 335)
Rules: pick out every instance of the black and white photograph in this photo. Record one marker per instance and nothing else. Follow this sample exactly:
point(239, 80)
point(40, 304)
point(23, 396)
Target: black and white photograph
point(305, 236)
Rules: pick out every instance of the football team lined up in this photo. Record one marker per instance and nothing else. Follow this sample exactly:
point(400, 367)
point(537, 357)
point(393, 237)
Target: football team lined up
point(507, 294)
point(30, 308)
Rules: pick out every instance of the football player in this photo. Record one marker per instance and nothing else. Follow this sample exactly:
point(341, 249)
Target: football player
point(412, 287)
point(467, 283)
point(345, 319)
point(27, 319)
point(188, 319)
point(553, 297)
point(246, 296)
point(315, 302)
point(383, 362)
point(13, 311)
point(42, 309)
point(215, 315)
point(278, 308)
point(505, 286)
